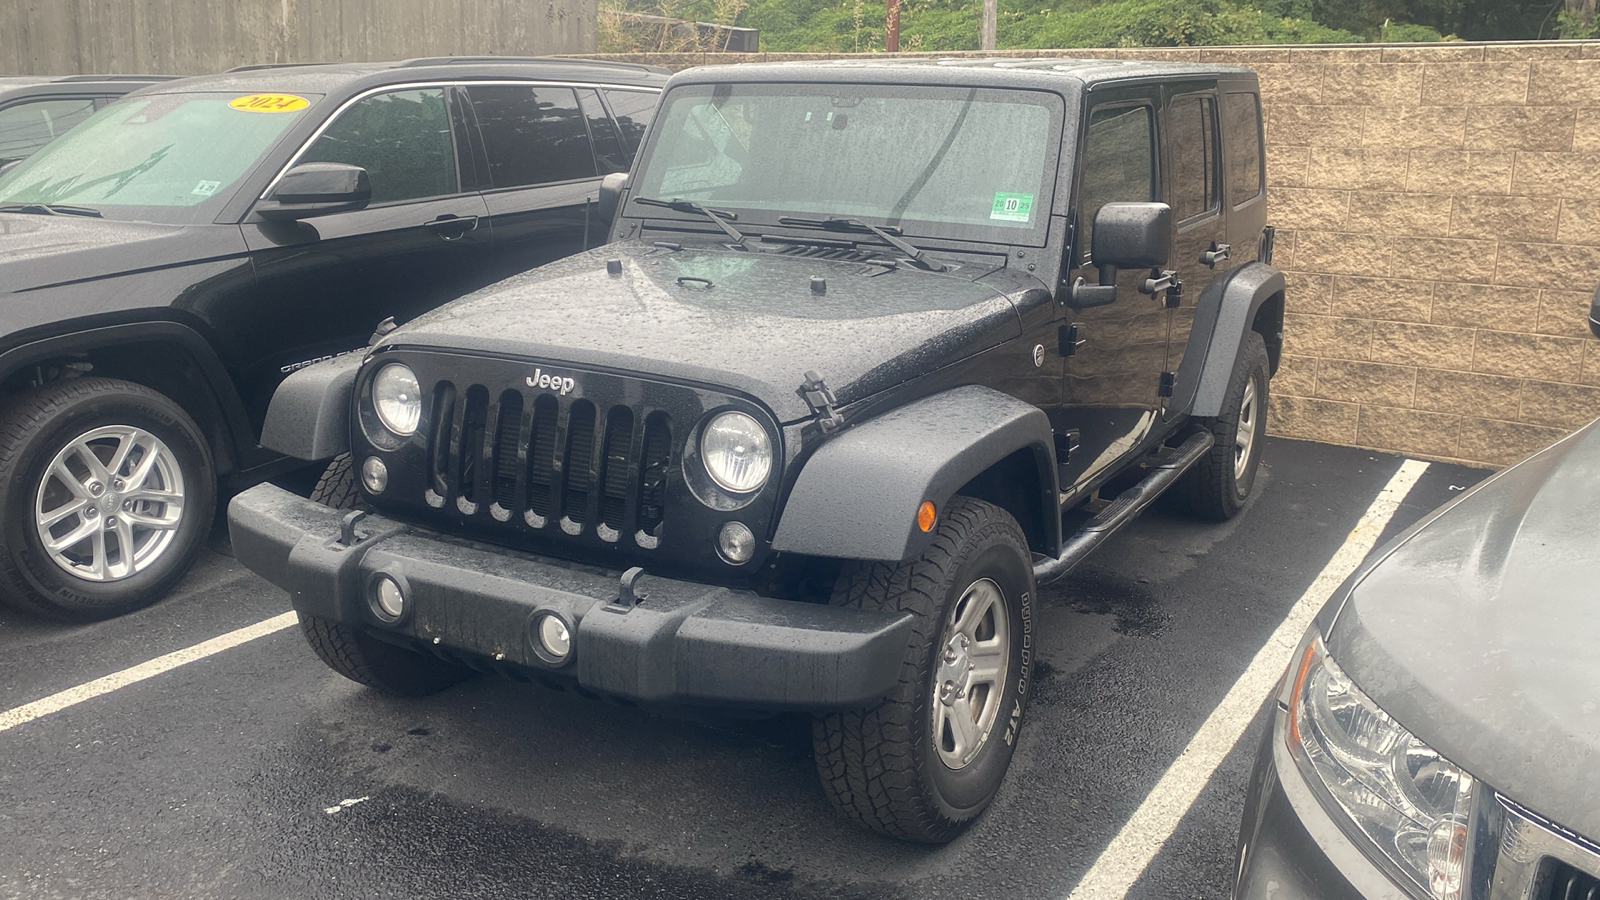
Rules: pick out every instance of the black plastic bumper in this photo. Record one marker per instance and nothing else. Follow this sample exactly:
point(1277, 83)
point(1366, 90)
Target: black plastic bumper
point(685, 643)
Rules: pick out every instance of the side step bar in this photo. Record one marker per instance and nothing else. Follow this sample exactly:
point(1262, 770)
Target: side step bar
point(1122, 510)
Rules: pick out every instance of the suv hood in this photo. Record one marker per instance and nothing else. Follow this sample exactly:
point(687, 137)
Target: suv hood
point(753, 323)
point(1479, 632)
point(39, 251)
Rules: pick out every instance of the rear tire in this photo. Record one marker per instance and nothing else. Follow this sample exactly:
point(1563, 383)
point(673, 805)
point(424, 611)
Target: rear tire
point(927, 760)
point(107, 492)
point(1218, 486)
point(377, 664)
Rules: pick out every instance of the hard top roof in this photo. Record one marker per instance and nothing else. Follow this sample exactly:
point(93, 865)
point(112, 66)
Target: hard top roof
point(323, 78)
point(999, 72)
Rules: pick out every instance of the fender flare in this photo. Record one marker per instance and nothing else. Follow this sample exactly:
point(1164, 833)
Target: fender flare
point(858, 494)
point(1223, 317)
point(309, 417)
point(234, 423)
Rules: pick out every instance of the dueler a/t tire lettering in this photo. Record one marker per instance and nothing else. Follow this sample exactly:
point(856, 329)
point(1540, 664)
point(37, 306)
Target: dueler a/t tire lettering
point(883, 767)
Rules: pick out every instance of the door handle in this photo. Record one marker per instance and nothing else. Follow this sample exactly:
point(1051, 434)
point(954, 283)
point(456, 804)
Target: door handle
point(452, 227)
point(1216, 254)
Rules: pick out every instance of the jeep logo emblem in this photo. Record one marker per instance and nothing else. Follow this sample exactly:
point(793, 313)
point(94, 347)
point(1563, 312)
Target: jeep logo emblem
point(546, 382)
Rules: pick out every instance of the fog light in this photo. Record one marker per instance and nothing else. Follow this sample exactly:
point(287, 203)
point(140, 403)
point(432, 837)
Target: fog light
point(736, 543)
point(554, 638)
point(375, 475)
point(388, 601)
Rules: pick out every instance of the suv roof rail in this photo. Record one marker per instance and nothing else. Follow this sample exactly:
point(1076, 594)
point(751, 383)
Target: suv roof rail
point(78, 79)
point(256, 67)
point(554, 60)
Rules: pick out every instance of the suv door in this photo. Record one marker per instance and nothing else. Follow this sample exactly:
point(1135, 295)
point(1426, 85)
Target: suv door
point(1111, 391)
point(1192, 148)
point(542, 177)
point(325, 282)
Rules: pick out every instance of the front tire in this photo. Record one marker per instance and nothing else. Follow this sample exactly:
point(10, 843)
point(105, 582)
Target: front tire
point(366, 660)
point(928, 759)
point(107, 489)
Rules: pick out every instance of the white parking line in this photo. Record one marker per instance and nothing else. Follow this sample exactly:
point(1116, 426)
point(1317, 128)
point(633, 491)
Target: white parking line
point(1146, 832)
point(72, 696)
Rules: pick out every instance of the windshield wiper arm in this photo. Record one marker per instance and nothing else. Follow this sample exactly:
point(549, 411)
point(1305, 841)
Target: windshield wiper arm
point(916, 254)
point(715, 215)
point(53, 209)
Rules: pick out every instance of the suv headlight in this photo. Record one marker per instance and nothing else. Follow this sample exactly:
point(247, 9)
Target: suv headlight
point(1412, 804)
point(397, 399)
point(737, 452)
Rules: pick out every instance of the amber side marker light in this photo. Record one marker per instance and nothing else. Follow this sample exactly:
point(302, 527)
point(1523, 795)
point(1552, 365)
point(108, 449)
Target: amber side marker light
point(926, 515)
point(1304, 669)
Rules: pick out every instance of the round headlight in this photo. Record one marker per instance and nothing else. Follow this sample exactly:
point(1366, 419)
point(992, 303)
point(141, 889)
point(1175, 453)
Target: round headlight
point(737, 452)
point(397, 399)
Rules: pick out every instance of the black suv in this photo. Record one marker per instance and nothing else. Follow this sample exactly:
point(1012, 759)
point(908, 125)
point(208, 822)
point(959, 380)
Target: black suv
point(35, 111)
point(877, 349)
point(169, 261)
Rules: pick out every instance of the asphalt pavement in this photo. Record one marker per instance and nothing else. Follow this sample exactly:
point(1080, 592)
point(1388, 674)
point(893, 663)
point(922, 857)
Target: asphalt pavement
point(258, 773)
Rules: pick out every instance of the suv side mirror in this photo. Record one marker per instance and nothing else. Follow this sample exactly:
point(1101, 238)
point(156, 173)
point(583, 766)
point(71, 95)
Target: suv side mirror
point(1126, 236)
point(1594, 313)
point(611, 188)
point(317, 189)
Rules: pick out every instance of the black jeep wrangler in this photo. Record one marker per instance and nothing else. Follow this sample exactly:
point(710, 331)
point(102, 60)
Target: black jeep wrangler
point(876, 349)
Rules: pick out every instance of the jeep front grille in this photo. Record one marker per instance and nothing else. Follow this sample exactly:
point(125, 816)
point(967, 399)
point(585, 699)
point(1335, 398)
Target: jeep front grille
point(553, 463)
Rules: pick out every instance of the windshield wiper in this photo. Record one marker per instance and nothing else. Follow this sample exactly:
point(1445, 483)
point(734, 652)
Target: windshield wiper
point(918, 257)
point(53, 209)
point(715, 215)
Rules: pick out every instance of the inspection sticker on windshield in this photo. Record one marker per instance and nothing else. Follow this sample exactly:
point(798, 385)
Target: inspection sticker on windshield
point(269, 103)
point(206, 188)
point(1012, 207)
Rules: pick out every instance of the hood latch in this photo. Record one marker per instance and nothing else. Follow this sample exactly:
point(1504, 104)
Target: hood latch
point(821, 402)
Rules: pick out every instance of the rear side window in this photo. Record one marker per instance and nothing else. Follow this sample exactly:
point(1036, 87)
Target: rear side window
point(633, 111)
point(608, 150)
point(402, 139)
point(532, 135)
point(1192, 143)
point(26, 127)
point(1242, 116)
point(1118, 164)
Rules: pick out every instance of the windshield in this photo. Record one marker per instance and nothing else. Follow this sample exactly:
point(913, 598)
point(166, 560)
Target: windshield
point(964, 163)
point(170, 158)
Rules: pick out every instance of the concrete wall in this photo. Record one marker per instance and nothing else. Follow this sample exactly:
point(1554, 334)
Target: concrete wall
point(186, 37)
point(1438, 213)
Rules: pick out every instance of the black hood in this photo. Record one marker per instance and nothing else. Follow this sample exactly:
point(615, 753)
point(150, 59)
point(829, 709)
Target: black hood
point(1480, 632)
point(40, 250)
point(754, 324)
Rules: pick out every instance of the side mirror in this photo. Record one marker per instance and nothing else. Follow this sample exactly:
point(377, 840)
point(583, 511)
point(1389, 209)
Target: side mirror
point(1594, 313)
point(317, 189)
point(1127, 236)
point(611, 188)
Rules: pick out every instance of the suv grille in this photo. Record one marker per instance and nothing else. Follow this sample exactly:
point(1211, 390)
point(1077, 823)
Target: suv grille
point(1568, 883)
point(550, 460)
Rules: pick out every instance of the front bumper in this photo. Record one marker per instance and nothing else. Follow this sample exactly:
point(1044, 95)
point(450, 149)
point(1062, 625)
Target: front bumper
point(1288, 844)
point(685, 643)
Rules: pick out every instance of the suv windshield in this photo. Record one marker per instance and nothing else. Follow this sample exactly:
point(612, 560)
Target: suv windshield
point(963, 163)
point(170, 158)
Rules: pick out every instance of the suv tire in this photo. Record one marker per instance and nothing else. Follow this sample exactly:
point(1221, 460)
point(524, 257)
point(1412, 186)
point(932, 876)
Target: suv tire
point(121, 472)
point(337, 485)
point(1220, 483)
point(377, 664)
point(899, 767)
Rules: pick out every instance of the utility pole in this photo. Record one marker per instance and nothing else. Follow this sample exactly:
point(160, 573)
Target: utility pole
point(891, 28)
point(986, 30)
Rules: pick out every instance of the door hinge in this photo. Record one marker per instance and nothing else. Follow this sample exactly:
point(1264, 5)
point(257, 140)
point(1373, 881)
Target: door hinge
point(1168, 382)
point(1067, 443)
point(821, 401)
point(1175, 295)
point(1069, 340)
